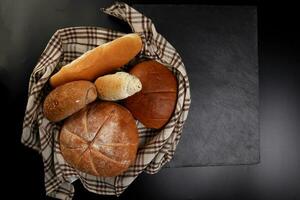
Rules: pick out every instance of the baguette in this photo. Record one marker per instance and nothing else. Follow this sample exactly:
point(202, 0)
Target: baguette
point(100, 60)
point(117, 86)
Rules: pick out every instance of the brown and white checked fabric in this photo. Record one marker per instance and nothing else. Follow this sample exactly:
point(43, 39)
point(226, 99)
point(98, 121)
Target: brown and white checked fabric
point(156, 147)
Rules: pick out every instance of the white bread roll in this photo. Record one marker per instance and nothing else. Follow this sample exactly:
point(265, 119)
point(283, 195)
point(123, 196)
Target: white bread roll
point(117, 86)
point(99, 61)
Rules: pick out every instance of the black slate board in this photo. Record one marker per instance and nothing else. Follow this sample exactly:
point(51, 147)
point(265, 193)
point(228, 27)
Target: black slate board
point(218, 45)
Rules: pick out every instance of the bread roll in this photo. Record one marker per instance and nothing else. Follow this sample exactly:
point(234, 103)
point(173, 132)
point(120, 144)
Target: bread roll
point(117, 86)
point(100, 60)
point(101, 139)
point(155, 103)
point(67, 99)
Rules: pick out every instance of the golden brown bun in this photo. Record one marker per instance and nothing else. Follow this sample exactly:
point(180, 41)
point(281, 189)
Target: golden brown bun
point(100, 60)
point(117, 86)
point(67, 99)
point(155, 103)
point(101, 139)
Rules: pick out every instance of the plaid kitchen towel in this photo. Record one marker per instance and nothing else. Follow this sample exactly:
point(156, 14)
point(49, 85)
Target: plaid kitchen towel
point(156, 147)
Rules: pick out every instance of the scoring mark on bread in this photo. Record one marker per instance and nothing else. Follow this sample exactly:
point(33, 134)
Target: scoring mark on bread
point(91, 95)
point(73, 148)
point(84, 121)
point(81, 138)
point(105, 121)
point(106, 157)
point(93, 163)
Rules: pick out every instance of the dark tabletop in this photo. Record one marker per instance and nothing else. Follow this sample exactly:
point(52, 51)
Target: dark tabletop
point(25, 28)
point(218, 45)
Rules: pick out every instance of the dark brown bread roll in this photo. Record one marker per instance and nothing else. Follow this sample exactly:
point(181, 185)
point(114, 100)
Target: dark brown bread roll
point(154, 104)
point(67, 99)
point(101, 139)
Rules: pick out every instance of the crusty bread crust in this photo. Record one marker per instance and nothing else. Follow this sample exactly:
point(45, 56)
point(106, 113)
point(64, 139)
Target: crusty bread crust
point(99, 61)
point(101, 139)
point(67, 99)
point(155, 103)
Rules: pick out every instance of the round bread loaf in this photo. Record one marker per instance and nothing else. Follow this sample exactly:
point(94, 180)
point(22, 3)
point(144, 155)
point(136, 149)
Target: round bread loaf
point(101, 139)
point(67, 99)
point(154, 104)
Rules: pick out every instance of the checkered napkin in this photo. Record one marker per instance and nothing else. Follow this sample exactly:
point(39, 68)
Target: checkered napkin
point(156, 147)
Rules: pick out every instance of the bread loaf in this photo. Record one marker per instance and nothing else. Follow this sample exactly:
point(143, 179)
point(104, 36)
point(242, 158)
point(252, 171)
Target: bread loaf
point(101, 139)
point(155, 103)
point(100, 60)
point(67, 99)
point(117, 86)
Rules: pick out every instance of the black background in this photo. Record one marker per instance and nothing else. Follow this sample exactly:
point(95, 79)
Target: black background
point(276, 177)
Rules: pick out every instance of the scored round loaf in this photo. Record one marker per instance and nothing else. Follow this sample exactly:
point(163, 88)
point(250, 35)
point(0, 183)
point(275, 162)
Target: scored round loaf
point(101, 139)
point(155, 103)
